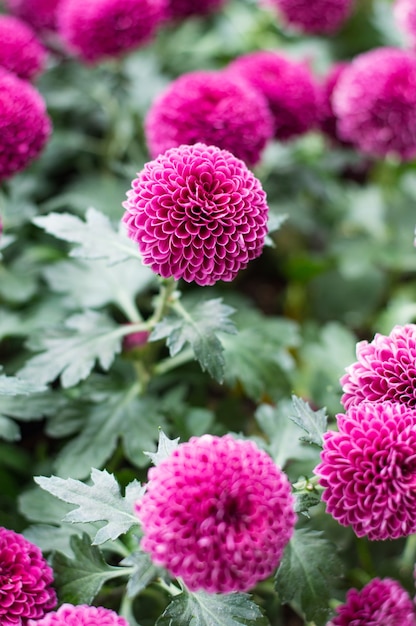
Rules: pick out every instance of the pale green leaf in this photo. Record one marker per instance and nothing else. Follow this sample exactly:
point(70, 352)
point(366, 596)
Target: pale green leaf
point(165, 447)
point(144, 572)
point(9, 430)
point(314, 423)
point(13, 386)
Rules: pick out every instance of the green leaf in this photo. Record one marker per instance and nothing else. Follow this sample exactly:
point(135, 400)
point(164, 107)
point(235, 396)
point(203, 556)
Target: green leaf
point(198, 327)
point(9, 430)
point(305, 500)
point(144, 572)
point(100, 501)
point(203, 609)
point(314, 423)
point(12, 386)
point(307, 574)
point(165, 447)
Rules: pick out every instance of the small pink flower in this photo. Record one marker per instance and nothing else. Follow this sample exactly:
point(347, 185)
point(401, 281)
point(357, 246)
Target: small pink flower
point(317, 17)
point(287, 86)
point(80, 615)
point(20, 51)
point(180, 9)
point(25, 581)
point(135, 340)
point(382, 602)
point(197, 213)
point(368, 470)
point(405, 16)
point(210, 107)
point(218, 513)
point(40, 14)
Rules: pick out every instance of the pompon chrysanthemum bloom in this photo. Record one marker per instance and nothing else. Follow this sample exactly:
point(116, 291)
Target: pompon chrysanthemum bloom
point(25, 581)
point(24, 124)
point(210, 107)
point(368, 470)
point(218, 513)
point(375, 102)
point(382, 602)
point(197, 213)
point(327, 119)
point(288, 87)
point(385, 369)
point(180, 9)
point(404, 12)
point(319, 17)
point(20, 51)
point(80, 615)
point(97, 29)
point(40, 14)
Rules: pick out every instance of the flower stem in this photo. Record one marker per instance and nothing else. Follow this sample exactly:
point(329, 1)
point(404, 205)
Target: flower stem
point(164, 300)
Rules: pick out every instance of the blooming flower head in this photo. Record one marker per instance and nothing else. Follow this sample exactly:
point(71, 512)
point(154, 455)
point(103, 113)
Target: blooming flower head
point(404, 12)
point(287, 86)
point(368, 470)
point(382, 602)
point(25, 581)
point(218, 513)
point(97, 29)
point(80, 615)
point(210, 107)
point(327, 118)
point(20, 51)
point(375, 102)
point(40, 14)
point(385, 369)
point(180, 9)
point(318, 17)
point(24, 124)
point(197, 213)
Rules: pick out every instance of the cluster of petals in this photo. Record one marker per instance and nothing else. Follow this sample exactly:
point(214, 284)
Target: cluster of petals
point(24, 124)
point(288, 87)
point(180, 9)
point(404, 12)
point(385, 369)
point(20, 50)
point(368, 470)
point(25, 581)
point(328, 122)
point(40, 14)
point(317, 17)
point(197, 213)
point(80, 615)
point(375, 103)
point(218, 513)
point(213, 108)
point(380, 602)
point(98, 29)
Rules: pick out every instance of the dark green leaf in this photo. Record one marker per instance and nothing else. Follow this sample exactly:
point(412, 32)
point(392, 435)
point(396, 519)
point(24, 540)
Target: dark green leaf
point(314, 423)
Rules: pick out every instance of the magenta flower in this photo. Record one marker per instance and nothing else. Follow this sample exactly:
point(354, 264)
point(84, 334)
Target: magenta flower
point(385, 370)
point(81, 615)
point(382, 602)
point(135, 340)
point(375, 102)
point(20, 51)
point(197, 213)
point(327, 118)
point(25, 581)
point(24, 124)
point(405, 16)
point(180, 9)
point(317, 17)
point(218, 513)
point(210, 107)
point(40, 14)
point(368, 470)
point(98, 29)
point(287, 86)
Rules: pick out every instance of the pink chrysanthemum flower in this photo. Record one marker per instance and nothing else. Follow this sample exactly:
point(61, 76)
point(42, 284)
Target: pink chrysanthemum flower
point(210, 107)
point(327, 118)
point(288, 87)
point(218, 513)
point(197, 213)
point(20, 51)
point(180, 9)
point(318, 17)
point(385, 369)
point(98, 29)
point(404, 12)
point(40, 14)
point(25, 581)
point(368, 470)
point(24, 124)
point(80, 615)
point(382, 602)
point(375, 102)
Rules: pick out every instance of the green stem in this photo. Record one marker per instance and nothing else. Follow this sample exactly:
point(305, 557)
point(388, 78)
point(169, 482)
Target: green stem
point(169, 587)
point(166, 365)
point(307, 484)
point(164, 300)
point(408, 558)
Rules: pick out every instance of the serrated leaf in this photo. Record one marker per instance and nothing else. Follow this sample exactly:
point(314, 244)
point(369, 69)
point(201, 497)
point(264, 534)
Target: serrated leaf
point(203, 609)
point(13, 386)
point(100, 501)
point(307, 574)
point(314, 423)
point(305, 500)
point(144, 572)
point(165, 447)
point(11, 391)
point(198, 327)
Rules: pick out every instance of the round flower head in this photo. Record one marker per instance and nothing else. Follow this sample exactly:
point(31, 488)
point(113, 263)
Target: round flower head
point(327, 118)
point(97, 29)
point(368, 470)
point(218, 513)
point(180, 9)
point(375, 102)
point(25, 581)
point(214, 108)
point(405, 16)
point(81, 615)
point(287, 86)
point(382, 602)
point(40, 14)
point(317, 17)
point(385, 369)
point(197, 213)
point(20, 51)
point(24, 124)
